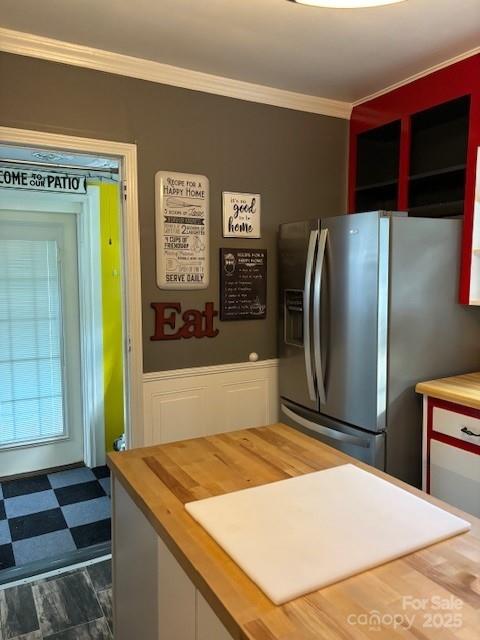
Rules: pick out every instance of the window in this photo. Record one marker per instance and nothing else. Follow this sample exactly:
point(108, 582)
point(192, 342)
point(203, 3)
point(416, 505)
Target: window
point(31, 371)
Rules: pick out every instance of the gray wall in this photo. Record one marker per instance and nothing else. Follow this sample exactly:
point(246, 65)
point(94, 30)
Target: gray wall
point(297, 161)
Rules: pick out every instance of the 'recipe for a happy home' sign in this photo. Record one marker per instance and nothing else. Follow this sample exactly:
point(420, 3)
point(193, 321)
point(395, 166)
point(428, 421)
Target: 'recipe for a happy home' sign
point(182, 229)
point(243, 284)
point(241, 215)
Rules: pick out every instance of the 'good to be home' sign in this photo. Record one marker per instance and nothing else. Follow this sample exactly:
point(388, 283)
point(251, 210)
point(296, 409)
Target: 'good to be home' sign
point(241, 215)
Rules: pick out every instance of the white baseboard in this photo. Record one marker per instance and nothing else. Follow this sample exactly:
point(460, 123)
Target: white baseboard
point(189, 403)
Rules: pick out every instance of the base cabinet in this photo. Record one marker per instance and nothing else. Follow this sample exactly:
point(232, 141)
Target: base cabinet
point(455, 476)
point(153, 598)
point(451, 454)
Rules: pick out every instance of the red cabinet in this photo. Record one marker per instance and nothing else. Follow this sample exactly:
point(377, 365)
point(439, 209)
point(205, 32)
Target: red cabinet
point(423, 139)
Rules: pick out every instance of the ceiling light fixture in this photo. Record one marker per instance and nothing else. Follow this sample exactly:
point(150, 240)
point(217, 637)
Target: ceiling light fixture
point(346, 4)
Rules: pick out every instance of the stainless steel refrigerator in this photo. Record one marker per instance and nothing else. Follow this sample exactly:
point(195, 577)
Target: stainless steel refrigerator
point(368, 307)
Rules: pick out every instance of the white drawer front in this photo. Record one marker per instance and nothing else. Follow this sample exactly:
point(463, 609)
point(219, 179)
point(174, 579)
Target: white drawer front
point(451, 424)
point(455, 476)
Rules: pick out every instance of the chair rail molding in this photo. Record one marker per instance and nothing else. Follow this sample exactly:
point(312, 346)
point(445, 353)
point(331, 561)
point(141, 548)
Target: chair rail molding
point(200, 401)
point(201, 371)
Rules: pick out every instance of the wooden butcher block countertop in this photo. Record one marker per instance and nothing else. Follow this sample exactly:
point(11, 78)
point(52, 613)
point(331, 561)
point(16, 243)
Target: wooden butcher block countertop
point(464, 389)
point(162, 479)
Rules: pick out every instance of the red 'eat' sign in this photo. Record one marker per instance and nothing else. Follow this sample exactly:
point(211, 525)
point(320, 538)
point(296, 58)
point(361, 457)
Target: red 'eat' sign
point(193, 323)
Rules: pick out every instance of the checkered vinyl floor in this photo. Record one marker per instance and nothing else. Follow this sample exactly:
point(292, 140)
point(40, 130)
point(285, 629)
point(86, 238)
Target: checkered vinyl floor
point(46, 516)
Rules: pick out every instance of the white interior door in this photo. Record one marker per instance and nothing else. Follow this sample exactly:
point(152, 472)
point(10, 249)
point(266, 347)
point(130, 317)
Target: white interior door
point(40, 367)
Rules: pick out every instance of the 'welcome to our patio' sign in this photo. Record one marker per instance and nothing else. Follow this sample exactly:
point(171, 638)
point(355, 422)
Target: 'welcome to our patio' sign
point(35, 180)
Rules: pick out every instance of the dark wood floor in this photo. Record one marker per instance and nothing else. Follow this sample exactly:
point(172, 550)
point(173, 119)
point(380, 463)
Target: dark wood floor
point(71, 606)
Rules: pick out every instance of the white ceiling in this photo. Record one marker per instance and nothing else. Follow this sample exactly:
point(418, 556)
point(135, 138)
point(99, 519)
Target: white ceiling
point(342, 54)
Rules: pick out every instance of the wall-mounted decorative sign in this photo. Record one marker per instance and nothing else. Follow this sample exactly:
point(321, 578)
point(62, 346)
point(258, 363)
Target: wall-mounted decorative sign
point(35, 180)
point(243, 284)
point(172, 324)
point(182, 229)
point(241, 215)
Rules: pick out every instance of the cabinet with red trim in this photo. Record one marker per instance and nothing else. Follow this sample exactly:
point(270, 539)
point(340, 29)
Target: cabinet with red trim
point(415, 147)
point(451, 453)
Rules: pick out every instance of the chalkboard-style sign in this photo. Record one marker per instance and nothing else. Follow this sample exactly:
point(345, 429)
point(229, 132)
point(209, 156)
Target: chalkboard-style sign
point(243, 284)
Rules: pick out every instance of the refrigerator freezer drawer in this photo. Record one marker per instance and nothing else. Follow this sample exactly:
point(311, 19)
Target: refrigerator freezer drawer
point(364, 446)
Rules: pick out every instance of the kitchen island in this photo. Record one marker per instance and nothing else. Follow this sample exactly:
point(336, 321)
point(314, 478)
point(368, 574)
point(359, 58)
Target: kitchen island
point(173, 582)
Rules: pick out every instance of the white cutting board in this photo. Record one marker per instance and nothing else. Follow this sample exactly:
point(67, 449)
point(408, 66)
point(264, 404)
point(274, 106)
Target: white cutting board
point(298, 535)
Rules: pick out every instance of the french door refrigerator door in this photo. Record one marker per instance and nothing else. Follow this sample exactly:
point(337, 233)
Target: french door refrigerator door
point(298, 248)
point(362, 445)
point(350, 303)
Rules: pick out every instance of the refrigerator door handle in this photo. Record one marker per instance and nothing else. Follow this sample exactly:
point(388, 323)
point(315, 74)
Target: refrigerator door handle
point(317, 298)
point(307, 294)
point(333, 434)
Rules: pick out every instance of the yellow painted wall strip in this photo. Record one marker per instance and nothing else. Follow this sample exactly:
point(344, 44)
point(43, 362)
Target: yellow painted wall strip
point(111, 282)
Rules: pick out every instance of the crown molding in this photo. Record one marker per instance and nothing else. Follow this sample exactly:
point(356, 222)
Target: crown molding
point(27, 44)
point(417, 76)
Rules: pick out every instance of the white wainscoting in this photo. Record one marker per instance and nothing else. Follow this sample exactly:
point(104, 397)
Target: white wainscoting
point(188, 403)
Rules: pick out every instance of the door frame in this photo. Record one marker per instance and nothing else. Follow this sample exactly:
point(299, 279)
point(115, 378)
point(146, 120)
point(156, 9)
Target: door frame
point(126, 153)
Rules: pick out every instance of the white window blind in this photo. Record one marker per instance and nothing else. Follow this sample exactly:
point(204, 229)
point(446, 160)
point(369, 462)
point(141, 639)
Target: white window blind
point(31, 381)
